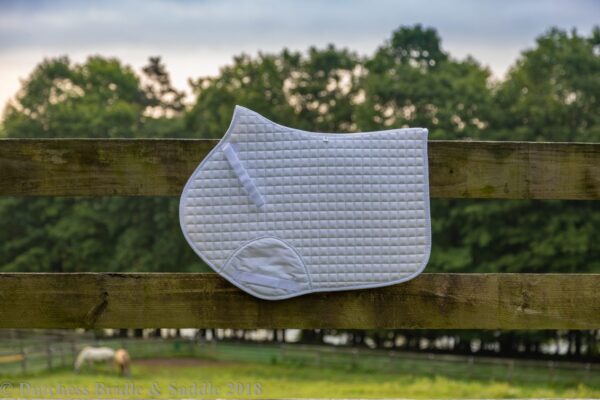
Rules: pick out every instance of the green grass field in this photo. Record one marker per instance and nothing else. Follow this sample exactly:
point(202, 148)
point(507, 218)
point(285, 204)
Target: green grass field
point(266, 371)
point(175, 378)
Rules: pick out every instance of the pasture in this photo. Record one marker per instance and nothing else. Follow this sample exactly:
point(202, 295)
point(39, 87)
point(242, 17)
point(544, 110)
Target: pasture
point(250, 371)
point(187, 377)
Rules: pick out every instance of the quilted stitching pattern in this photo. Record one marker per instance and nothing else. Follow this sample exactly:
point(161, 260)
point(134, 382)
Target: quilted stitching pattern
point(354, 206)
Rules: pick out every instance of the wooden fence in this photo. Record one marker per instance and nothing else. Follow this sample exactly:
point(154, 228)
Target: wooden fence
point(44, 355)
point(31, 356)
point(458, 169)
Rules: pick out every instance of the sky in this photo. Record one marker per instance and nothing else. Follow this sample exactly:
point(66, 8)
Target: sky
point(196, 38)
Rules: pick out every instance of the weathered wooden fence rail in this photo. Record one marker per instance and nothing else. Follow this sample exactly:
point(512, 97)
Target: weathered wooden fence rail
point(487, 301)
point(153, 167)
point(458, 169)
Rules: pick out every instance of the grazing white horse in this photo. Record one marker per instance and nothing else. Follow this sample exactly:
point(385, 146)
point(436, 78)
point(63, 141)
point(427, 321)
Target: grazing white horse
point(91, 355)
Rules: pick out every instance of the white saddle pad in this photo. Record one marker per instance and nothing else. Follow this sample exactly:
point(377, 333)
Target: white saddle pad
point(281, 212)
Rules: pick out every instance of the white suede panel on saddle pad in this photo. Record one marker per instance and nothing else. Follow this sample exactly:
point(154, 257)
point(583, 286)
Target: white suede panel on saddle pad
point(281, 212)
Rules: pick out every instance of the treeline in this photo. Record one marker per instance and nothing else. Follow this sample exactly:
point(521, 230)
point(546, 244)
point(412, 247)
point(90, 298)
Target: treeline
point(548, 344)
point(550, 93)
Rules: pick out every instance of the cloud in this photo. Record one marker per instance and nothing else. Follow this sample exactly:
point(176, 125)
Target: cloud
point(196, 37)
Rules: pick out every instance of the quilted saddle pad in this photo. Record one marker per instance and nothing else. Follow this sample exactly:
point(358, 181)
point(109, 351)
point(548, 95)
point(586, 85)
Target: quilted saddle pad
point(281, 212)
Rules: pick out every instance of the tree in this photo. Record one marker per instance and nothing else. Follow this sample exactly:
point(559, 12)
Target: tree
point(311, 92)
point(258, 83)
point(164, 99)
point(412, 81)
point(528, 236)
point(551, 93)
point(99, 98)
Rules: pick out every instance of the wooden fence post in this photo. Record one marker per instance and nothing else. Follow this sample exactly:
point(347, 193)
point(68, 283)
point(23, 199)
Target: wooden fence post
point(213, 347)
point(49, 354)
point(510, 369)
point(282, 353)
point(318, 357)
point(588, 367)
point(73, 351)
point(471, 366)
point(24, 359)
point(63, 362)
point(391, 355)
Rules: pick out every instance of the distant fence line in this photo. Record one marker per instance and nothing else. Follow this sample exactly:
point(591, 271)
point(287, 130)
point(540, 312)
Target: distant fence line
point(24, 356)
point(355, 354)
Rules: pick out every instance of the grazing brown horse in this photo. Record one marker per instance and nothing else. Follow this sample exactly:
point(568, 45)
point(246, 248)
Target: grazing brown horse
point(123, 362)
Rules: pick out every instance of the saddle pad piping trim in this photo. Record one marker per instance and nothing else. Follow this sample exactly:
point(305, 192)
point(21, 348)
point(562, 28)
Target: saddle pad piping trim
point(337, 136)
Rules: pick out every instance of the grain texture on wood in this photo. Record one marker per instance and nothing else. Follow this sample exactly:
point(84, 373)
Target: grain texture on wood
point(178, 300)
point(154, 167)
point(103, 167)
point(514, 170)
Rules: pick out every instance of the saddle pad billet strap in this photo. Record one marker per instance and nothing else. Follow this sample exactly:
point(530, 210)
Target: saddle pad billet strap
point(266, 280)
point(242, 174)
